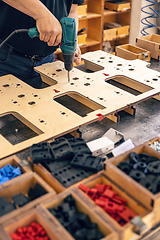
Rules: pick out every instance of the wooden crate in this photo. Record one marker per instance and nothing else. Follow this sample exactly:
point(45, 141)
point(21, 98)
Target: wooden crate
point(25, 220)
point(127, 231)
point(82, 39)
point(136, 190)
point(22, 186)
point(150, 43)
point(110, 34)
point(123, 31)
point(131, 52)
point(118, 7)
point(82, 10)
point(14, 161)
point(104, 228)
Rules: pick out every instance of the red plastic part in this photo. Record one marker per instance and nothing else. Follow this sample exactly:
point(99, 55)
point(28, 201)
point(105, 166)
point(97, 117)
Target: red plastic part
point(109, 193)
point(100, 116)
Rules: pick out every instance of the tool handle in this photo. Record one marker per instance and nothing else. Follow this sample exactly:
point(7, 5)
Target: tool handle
point(33, 32)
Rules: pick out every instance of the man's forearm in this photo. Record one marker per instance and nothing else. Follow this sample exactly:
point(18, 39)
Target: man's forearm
point(33, 8)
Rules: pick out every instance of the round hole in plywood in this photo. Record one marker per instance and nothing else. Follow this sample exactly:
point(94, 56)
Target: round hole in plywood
point(154, 79)
point(100, 98)
point(117, 69)
point(117, 92)
point(147, 81)
point(75, 78)
point(110, 61)
point(35, 95)
point(58, 70)
point(53, 74)
point(131, 69)
point(88, 78)
point(41, 121)
point(63, 113)
point(119, 64)
point(102, 57)
point(15, 102)
point(87, 84)
point(71, 83)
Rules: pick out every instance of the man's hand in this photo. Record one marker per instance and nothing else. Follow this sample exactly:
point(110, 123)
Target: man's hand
point(77, 59)
point(50, 29)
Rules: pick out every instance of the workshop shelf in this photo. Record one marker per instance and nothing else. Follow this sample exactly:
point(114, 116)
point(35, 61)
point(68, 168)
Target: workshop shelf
point(82, 207)
point(33, 190)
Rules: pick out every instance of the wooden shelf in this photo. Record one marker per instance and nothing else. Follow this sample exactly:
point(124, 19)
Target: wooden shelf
point(90, 42)
point(107, 12)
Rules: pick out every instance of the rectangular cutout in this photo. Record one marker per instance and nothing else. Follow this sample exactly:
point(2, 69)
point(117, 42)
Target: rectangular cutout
point(129, 85)
point(78, 104)
point(16, 131)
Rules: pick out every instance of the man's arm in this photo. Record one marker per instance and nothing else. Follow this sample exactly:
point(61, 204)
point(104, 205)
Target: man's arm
point(73, 14)
point(48, 26)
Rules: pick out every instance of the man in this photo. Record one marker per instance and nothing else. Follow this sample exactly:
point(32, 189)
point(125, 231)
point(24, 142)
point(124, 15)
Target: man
point(20, 54)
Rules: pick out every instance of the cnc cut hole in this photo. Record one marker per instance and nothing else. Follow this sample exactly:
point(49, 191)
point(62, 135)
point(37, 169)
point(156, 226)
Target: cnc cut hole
point(102, 57)
point(17, 129)
point(110, 61)
point(21, 95)
point(35, 95)
point(15, 102)
point(6, 85)
point(59, 70)
point(129, 85)
point(119, 64)
point(87, 84)
point(78, 103)
point(155, 79)
point(131, 69)
point(18, 84)
point(31, 103)
point(75, 78)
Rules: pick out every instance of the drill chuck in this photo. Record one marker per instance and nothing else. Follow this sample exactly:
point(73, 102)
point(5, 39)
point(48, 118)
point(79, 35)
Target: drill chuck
point(68, 61)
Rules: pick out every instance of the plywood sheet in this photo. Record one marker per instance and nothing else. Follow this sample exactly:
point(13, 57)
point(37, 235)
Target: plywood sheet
point(44, 110)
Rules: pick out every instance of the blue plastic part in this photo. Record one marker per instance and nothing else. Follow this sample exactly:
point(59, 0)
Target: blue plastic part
point(33, 32)
point(8, 172)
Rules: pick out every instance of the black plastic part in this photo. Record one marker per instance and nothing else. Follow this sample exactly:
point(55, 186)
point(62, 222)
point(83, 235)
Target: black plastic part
point(137, 175)
point(88, 162)
point(79, 146)
point(61, 149)
point(144, 157)
point(80, 234)
point(54, 166)
point(154, 167)
point(141, 166)
point(20, 199)
point(69, 175)
point(38, 191)
point(125, 167)
point(133, 158)
point(5, 207)
point(147, 182)
point(40, 153)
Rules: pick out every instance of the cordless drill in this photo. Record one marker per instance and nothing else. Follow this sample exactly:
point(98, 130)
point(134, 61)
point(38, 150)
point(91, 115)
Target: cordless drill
point(68, 43)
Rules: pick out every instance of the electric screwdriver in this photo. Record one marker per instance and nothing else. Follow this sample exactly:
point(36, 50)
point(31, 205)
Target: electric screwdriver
point(68, 42)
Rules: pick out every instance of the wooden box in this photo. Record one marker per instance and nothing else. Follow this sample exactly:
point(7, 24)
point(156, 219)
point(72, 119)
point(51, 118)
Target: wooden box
point(104, 228)
point(82, 10)
point(150, 43)
point(14, 161)
point(123, 31)
point(131, 52)
point(136, 190)
point(127, 231)
point(25, 220)
point(22, 186)
point(110, 34)
point(82, 39)
point(119, 6)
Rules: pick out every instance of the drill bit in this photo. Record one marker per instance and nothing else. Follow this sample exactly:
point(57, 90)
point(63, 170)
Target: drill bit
point(68, 77)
